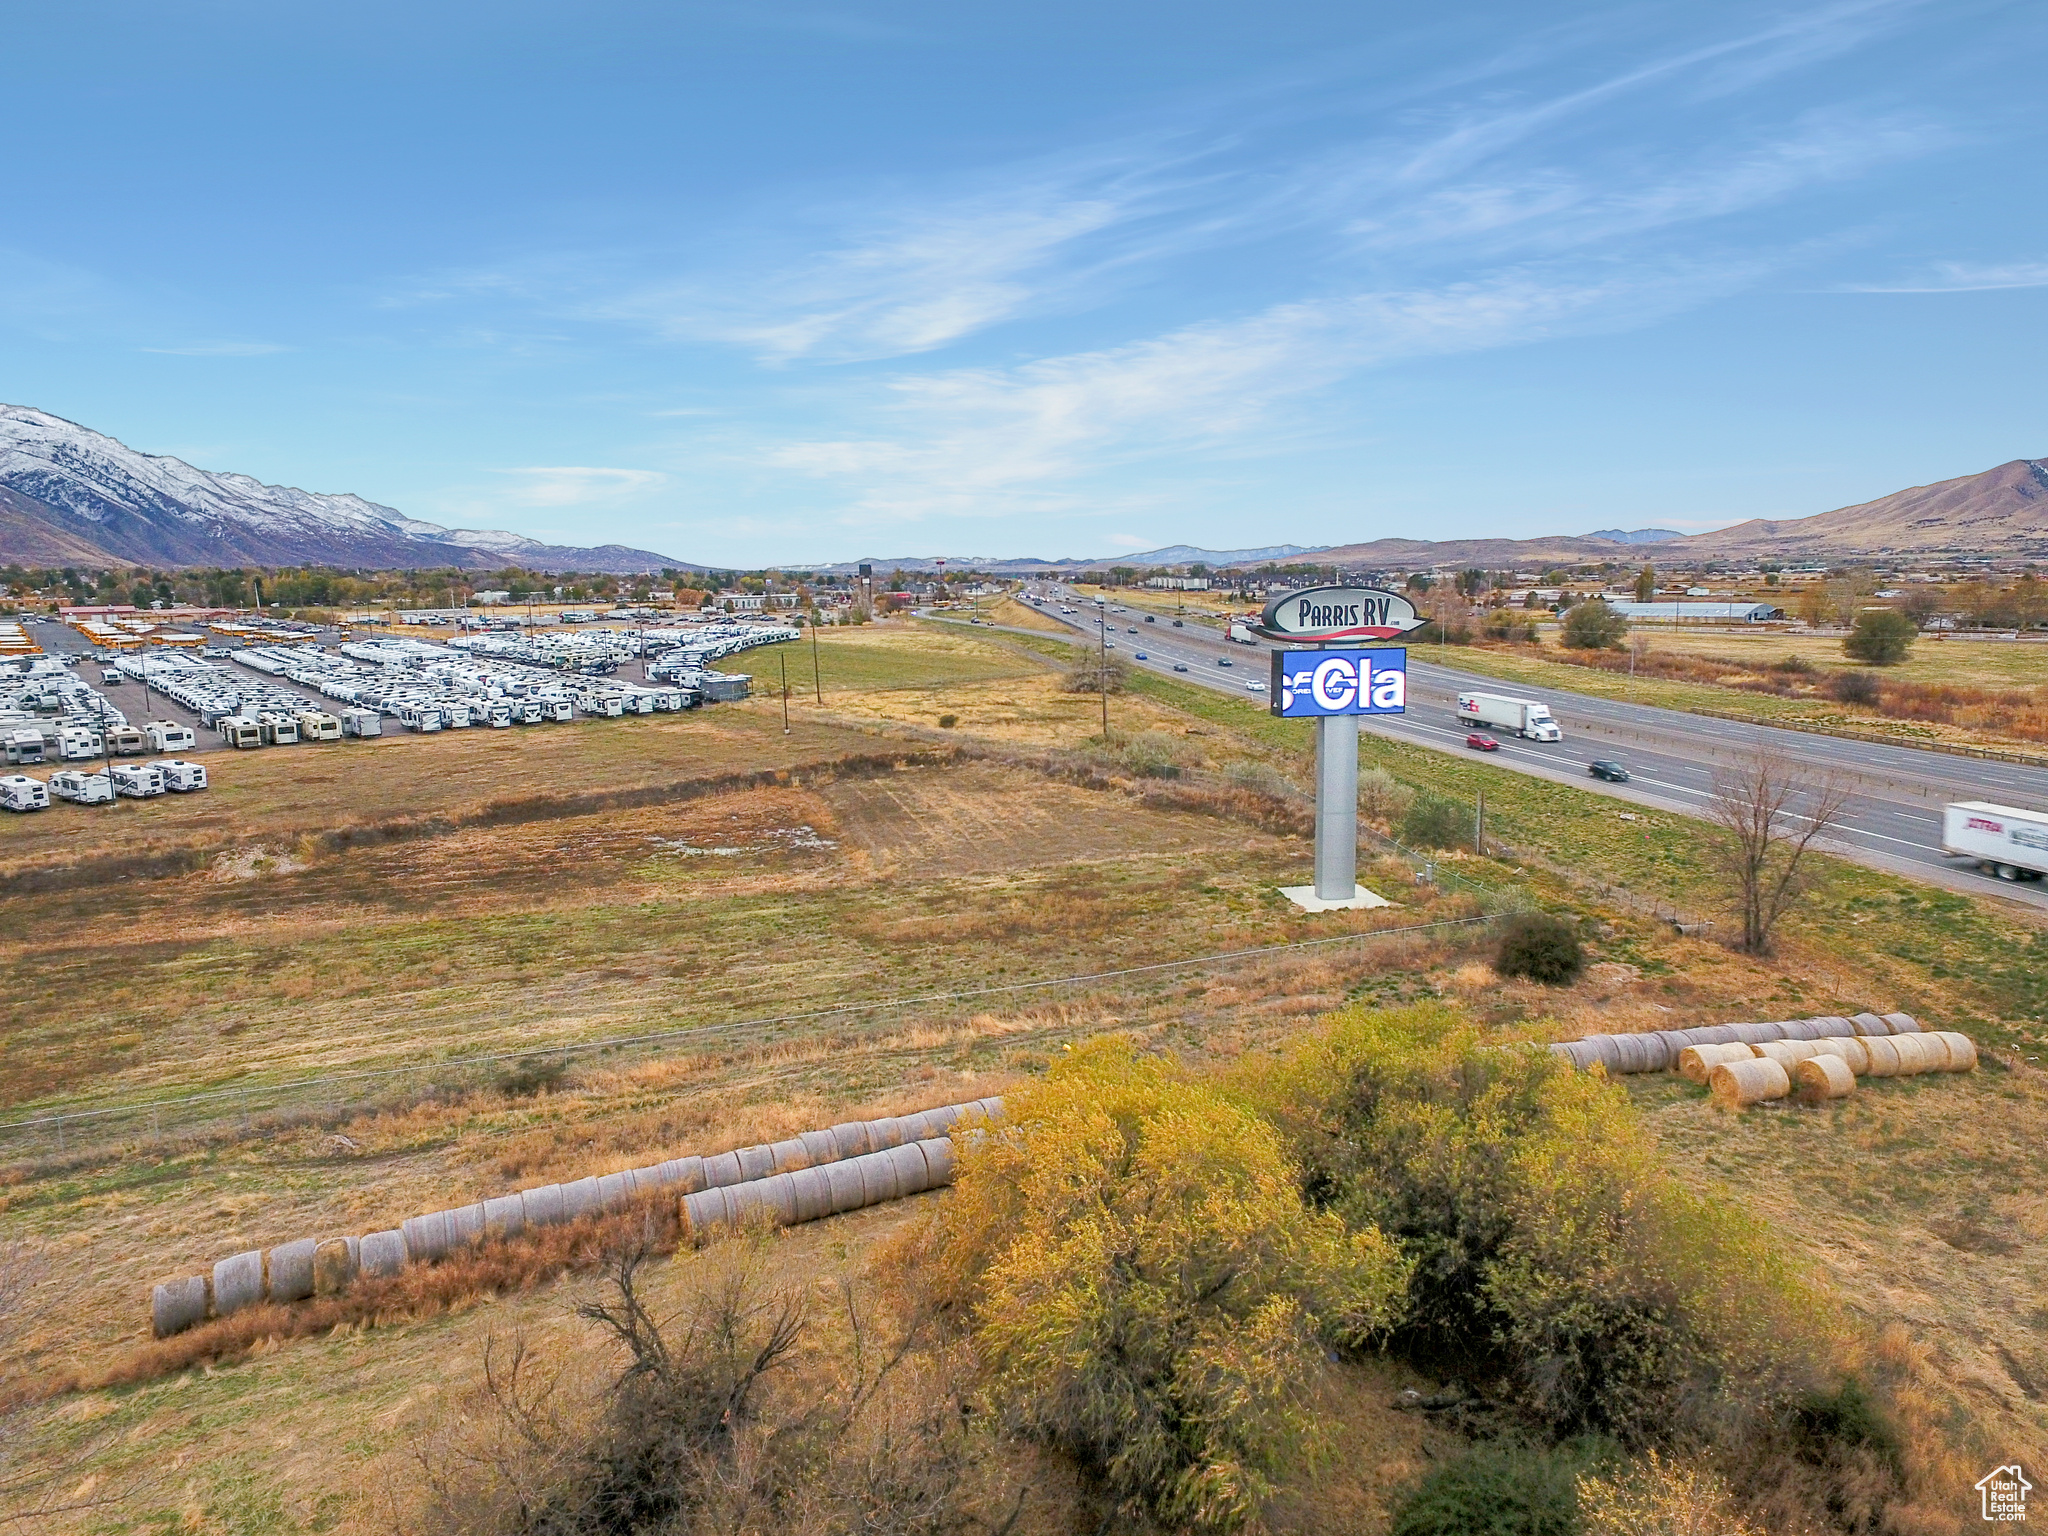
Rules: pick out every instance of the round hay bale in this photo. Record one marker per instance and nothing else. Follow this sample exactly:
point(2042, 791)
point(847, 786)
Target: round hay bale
point(705, 1209)
point(1884, 1056)
point(1673, 1041)
point(755, 1163)
point(613, 1192)
point(789, 1155)
point(1837, 1026)
point(888, 1132)
point(993, 1108)
point(1918, 1054)
point(722, 1171)
point(1739, 1084)
point(851, 1138)
point(848, 1190)
point(177, 1305)
point(1962, 1050)
point(1819, 1078)
point(778, 1197)
point(289, 1270)
point(878, 1180)
point(1715, 1034)
point(504, 1216)
point(1804, 1029)
point(1903, 1024)
point(813, 1192)
point(818, 1147)
point(1849, 1047)
point(911, 1173)
point(1697, 1062)
point(334, 1265)
point(685, 1175)
point(382, 1254)
point(1623, 1055)
point(940, 1163)
point(580, 1199)
point(1869, 1024)
point(945, 1117)
point(426, 1237)
point(237, 1282)
point(1786, 1053)
point(543, 1206)
point(466, 1224)
point(1755, 1033)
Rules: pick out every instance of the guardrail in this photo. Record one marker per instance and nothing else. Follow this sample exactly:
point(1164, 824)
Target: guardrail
point(1878, 738)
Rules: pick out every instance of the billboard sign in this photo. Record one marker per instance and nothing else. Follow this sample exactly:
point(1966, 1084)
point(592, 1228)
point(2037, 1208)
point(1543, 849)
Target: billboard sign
point(1343, 682)
point(1325, 614)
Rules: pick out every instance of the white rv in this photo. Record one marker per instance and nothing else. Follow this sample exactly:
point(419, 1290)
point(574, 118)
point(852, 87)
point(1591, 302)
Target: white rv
point(169, 736)
point(318, 725)
point(85, 788)
point(24, 746)
point(279, 729)
point(362, 722)
point(240, 731)
point(77, 743)
point(137, 780)
point(126, 741)
point(19, 792)
point(181, 777)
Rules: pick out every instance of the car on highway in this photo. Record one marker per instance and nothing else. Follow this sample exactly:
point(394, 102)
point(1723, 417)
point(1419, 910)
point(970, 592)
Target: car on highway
point(1180, 666)
point(1150, 620)
point(1225, 661)
point(1254, 687)
point(1139, 656)
point(1134, 629)
point(1610, 770)
point(1481, 742)
point(1178, 625)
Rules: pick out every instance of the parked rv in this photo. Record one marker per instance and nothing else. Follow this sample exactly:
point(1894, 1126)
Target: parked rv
point(19, 792)
point(137, 780)
point(279, 730)
point(317, 725)
point(126, 741)
point(169, 736)
point(362, 722)
point(24, 747)
point(78, 743)
point(181, 777)
point(240, 731)
point(85, 788)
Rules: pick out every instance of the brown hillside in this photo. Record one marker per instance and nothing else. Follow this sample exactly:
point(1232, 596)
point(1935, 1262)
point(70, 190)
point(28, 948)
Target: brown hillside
point(2003, 511)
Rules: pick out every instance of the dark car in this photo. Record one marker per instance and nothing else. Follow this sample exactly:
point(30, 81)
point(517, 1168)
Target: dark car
point(1608, 769)
point(1178, 625)
point(1140, 656)
point(1134, 629)
point(1482, 742)
point(1150, 620)
point(1180, 666)
point(1225, 661)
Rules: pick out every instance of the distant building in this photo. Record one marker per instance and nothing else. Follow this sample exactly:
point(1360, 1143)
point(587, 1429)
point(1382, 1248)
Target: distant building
point(1697, 613)
point(1178, 583)
point(490, 599)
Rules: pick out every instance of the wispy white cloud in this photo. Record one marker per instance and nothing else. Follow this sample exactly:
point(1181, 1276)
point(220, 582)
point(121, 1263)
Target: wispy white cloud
point(1964, 277)
point(570, 485)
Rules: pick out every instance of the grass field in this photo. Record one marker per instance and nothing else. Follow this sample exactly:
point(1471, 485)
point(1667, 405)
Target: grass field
point(708, 900)
point(1933, 659)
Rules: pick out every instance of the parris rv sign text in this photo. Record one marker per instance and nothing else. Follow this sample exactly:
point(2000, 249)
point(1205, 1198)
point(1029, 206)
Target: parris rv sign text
point(1338, 613)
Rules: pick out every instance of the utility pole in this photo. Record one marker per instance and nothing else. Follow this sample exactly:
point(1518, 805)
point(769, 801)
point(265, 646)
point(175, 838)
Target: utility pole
point(1102, 660)
point(817, 678)
point(1479, 826)
point(783, 657)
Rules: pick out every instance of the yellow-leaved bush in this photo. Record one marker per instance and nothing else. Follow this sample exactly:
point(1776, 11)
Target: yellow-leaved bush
point(1146, 1288)
point(1553, 1252)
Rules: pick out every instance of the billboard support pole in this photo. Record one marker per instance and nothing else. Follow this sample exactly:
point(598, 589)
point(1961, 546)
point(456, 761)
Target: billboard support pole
point(1336, 807)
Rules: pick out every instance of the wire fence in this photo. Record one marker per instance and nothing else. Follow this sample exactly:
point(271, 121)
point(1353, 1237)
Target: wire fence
point(255, 1109)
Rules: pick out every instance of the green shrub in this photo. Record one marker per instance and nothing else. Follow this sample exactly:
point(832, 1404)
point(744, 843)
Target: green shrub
point(1553, 1254)
point(1146, 1288)
point(1848, 1419)
point(1854, 688)
point(1594, 626)
point(1434, 822)
point(1880, 636)
point(1494, 1491)
point(1541, 947)
point(1382, 798)
point(947, 722)
point(1259, 778)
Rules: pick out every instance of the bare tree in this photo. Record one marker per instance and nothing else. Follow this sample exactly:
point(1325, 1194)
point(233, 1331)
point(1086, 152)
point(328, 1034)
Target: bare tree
point(1769, 817)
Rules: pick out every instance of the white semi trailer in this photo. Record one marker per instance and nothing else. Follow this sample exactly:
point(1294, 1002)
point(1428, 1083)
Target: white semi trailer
point(2011, 843)
point(1525, 717)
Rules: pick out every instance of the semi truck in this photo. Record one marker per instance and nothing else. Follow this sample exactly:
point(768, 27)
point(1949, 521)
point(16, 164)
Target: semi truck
point(2011, 843)
point(1242, 632)
point(1525, 717)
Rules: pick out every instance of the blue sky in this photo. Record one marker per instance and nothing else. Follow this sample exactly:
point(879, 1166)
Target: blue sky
point(765, 283)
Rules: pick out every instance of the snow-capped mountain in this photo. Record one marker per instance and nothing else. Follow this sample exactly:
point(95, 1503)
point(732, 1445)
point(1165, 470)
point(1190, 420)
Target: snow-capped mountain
point(69, 494)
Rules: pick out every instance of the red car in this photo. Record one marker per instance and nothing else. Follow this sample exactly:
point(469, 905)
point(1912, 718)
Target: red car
point(1482, 741)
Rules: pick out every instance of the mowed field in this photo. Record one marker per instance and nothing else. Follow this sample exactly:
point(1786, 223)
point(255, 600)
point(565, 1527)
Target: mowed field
point(745, 875)
point(1933, 659)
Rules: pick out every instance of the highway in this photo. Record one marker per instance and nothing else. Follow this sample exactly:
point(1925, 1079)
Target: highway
point(1892, 820)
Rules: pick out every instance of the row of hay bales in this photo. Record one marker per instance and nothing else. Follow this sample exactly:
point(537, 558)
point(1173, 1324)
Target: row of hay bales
point(1818, 1070)
point(1658, 1051)
point(882, 1159)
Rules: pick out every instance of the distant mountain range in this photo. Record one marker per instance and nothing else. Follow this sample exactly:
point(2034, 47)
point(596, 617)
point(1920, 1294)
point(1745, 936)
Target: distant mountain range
point(69, 495)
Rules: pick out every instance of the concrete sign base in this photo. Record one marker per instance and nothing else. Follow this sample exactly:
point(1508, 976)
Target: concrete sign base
point(1305, 897)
